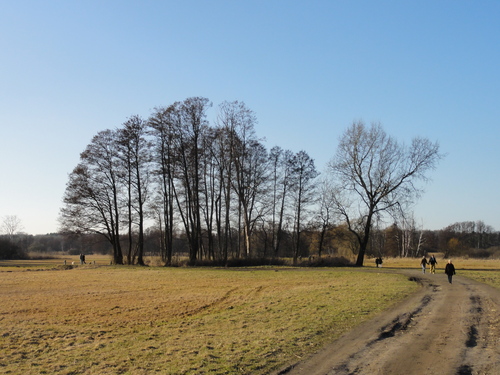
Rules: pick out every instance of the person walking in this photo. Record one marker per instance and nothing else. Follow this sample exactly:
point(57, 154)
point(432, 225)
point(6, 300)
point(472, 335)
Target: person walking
point(433, 262)
point(449, 270)
point(423, 263)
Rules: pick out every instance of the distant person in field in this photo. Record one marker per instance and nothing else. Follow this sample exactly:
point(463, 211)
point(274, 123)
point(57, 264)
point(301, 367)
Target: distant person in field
point(378, 262)
point(449, 270)
point(423, 263)
point(433, 262)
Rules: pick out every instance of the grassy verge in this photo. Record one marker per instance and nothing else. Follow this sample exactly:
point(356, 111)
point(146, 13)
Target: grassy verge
point(128, 320)
point(460, 263)
point(488, 277)
point(482, 270)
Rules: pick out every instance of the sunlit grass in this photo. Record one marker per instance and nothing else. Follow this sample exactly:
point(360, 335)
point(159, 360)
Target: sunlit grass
point(131, 320)
point(483, 270)
point(460, 263)
point(96, 319)
point(488, 277)
point(45, 261)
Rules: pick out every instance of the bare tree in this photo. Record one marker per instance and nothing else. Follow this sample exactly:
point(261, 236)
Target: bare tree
point(190, 128)
point(229, 119)
point(91, 199)
point(161, 125)
point(326, 212)
point(11, 225)
point(135, 156)
point(409, 237)
point(374, 174)
point(210, 188)
point(303, 174)
point(245, 170)
point(281, 163)
point(249, 186)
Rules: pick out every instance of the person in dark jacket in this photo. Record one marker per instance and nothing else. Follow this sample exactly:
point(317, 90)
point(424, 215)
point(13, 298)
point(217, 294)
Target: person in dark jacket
point(423, 263)
point(433, 262)
point(449, 270)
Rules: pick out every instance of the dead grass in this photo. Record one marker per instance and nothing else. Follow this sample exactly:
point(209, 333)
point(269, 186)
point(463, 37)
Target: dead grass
point(131, 320)
point(56, 260)
point(483, 270)
point(96, 319)
point(491, 277)
point(460, 263)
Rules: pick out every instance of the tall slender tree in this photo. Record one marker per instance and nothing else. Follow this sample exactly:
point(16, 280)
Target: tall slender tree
point(161, 125)
point(190, 126)
point(249, 157)
point(326, 212)
point(284, 183)
point(303, 175)
point(135, 155)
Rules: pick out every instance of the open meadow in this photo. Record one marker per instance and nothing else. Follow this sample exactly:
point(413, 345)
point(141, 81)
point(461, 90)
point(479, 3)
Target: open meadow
point(102, 319)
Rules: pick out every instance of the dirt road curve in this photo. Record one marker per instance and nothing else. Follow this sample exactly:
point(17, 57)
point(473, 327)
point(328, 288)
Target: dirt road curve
point(443, 329)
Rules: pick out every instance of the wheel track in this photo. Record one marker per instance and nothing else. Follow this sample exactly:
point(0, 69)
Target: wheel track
point(442, 329)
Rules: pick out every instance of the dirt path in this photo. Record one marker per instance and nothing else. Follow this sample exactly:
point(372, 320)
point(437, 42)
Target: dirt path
point(442, 329)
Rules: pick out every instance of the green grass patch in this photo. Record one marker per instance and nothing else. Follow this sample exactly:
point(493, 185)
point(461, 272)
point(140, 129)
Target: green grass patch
point(488, 277)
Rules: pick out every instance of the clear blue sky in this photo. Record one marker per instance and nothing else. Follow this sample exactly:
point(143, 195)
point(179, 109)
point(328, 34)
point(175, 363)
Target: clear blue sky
point(69, 69)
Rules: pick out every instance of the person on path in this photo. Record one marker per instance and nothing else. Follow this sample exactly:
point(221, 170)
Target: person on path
point(449, 270)
point(423, 263)
point(433, 262)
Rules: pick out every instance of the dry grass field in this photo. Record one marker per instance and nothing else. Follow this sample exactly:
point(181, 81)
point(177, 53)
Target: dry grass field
point(101, 319)
point(483, 270)
point(130, 320)
point(460, 263)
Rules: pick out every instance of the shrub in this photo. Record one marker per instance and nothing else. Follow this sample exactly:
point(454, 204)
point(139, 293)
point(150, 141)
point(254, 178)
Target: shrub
point(479, 253)
point(9, 250)
point(326, 262)
point(257, 262)
point(238, 262)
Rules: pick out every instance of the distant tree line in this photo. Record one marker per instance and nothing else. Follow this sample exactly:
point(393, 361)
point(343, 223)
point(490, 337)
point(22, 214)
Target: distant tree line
point(469, 239)
point(464, 239)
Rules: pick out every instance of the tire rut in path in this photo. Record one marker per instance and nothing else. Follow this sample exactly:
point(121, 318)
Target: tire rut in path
point(442, 329)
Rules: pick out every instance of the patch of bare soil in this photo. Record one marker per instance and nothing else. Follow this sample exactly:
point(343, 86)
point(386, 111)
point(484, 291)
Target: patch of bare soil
point(442, 329)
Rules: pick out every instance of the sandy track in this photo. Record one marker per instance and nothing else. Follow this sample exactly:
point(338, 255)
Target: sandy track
point(442, 329)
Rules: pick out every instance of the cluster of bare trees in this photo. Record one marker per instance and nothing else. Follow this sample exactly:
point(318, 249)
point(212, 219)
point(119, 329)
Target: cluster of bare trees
point(211, 184)
point(215, 185)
